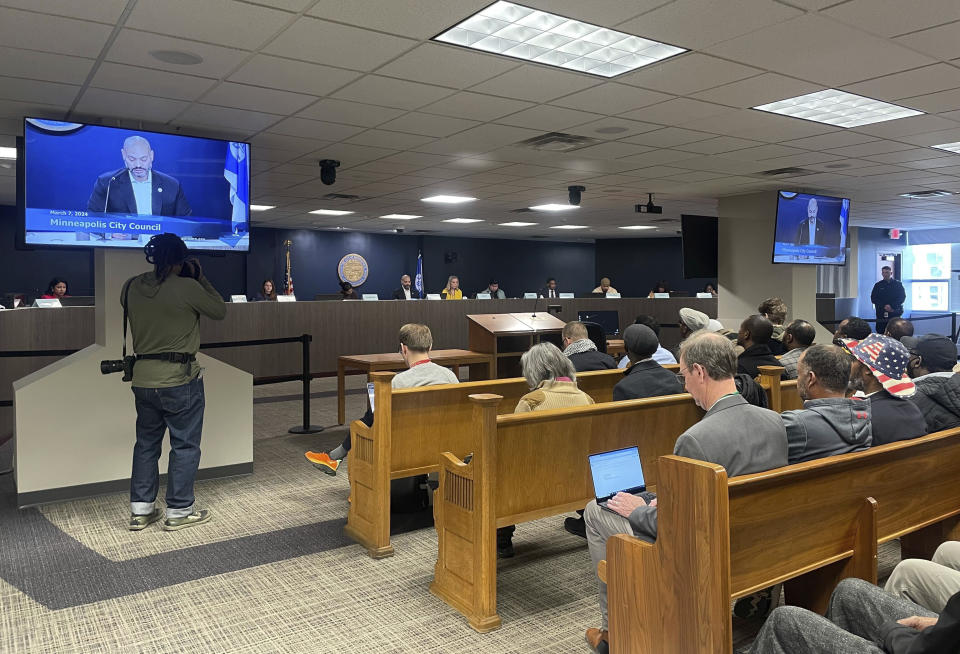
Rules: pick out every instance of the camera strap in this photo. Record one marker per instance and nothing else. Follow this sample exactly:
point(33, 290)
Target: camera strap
point(126, 293)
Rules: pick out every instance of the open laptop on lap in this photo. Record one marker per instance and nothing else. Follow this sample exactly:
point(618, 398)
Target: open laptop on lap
point(617, 471)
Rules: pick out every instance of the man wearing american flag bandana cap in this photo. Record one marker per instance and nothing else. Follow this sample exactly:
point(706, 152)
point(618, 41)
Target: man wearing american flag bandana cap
point(880, 371)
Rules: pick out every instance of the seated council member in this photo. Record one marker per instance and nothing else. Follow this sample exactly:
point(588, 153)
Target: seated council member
point(581, 351)
point(56, 289)
point(137, 188)
point(493, 288)
point(405, 292)
point(605, 287)
point(416, 341)
point(348, 292)
point(452, 290)
point(550, 290)
point(663, 356)
point(659, 287)
point(268, 292)
point(711, 289)
point(733, 433)
point(553, 383)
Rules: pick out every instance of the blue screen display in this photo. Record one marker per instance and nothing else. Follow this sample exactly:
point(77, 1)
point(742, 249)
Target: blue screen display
point(94, 186)
point(616, 471)
point(811, 229)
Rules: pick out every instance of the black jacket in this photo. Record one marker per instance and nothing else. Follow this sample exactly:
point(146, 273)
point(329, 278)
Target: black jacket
point(941, 638)
point(592, 360)
point(888, 292)
point(894, 419)
point(545, 292)
point(803, 233)
point(646, 379)
point(398, 294)
point(938, 398)
point(754, 356)
point(167, 196)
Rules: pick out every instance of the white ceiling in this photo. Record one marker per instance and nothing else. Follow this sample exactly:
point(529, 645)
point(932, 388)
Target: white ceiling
point(361, 82)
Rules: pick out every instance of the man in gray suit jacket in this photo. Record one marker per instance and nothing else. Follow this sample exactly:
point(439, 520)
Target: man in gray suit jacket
point(734, 434)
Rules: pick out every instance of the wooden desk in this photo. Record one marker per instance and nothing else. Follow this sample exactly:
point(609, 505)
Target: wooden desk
point(480, 368)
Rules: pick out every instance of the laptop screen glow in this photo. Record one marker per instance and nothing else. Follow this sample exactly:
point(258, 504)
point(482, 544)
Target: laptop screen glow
point(616, 471)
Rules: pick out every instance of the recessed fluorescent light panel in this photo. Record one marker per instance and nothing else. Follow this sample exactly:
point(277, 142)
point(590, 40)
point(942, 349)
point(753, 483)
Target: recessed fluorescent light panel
point(637, 227)
point(516, 31)
point(569, 227)
point(554, 207)
point(463, 221)
point(400, 216)
point(8, 153)
point(330, 212)
point(838, 108)
point(518, 224)
point(253, 207)
point(448, 199)
point(926, 195)
point(949, 147)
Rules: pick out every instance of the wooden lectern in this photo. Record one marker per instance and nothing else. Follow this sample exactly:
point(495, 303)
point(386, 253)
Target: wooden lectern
point(507, 336)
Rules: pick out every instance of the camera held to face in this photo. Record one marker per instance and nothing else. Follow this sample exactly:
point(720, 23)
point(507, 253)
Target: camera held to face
point(124, 365)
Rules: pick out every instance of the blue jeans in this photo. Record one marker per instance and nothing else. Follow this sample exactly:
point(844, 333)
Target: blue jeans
point(179, 409)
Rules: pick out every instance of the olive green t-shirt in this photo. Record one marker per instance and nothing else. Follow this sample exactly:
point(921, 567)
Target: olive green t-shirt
point(165, 317)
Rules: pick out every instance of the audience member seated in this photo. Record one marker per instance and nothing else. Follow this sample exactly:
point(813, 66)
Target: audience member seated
point(645, 377)
point(416, 341)
point(56, 289)
point(711, 289)
point(348, 292)
point(775, 310)
point(452, 290)
point(268, 292)
point(755, 334)
point(734, 434)
point(583, 352)
point(829, 422)
point(552, 379)
point(930, 584)
point(931, 366)
point(691, 321)
point(897, 328)
point(852, 327)
point(659, 287)
point(880, 373)
point(493, 288)
point(662, 355)
point(405, 292)
point(862, 619)
point(797, 337)
point(605, 287)
point(550, 290)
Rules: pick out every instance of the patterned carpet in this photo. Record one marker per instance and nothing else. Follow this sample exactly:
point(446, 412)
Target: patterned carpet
point(273, 572)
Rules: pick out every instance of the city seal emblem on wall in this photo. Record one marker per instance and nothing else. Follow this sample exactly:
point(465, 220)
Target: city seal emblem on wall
point(353, 268)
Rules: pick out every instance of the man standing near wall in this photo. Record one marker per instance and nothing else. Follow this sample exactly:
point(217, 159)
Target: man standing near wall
point(887, 297)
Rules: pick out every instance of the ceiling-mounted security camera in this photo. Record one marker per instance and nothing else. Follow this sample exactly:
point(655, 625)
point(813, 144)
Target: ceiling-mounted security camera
point(575, 192)
point(649, 207)
point(328, 171)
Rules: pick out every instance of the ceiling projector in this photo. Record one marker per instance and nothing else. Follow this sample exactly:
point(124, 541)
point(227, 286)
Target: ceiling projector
point(649, 207)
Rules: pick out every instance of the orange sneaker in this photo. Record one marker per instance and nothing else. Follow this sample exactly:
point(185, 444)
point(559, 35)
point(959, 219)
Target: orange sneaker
point(322, 461)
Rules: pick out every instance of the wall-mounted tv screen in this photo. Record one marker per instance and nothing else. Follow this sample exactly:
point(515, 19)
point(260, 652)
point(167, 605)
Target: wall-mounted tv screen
point(811, 229)
point(94, 186)
point(699, 234)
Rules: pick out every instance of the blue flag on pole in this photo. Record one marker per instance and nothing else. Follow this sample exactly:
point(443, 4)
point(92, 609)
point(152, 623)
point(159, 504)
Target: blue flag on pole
point(418, 284)
point(236, 169)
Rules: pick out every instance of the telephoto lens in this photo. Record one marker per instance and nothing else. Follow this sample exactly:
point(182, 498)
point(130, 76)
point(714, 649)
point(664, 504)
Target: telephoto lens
point(107, 367)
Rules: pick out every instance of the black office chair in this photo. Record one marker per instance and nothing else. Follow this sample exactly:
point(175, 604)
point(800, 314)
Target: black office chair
point(596, 334)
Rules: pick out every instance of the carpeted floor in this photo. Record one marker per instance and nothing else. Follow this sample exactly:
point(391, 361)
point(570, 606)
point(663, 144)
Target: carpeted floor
point(272, 572)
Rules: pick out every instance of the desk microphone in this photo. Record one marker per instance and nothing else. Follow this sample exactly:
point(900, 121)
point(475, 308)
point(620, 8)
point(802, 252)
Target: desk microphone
point(535, 302)
point(107, 199)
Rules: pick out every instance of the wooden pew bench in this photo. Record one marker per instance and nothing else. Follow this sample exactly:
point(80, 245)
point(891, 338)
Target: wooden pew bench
point(782, 395)
point(412, 426)
point(809, 525)
point(528, 466)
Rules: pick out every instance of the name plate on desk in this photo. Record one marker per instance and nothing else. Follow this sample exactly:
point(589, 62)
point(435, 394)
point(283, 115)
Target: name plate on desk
point(617, 295)
point(51, 303)
point(433, 296)
point(529, 296)
point(370, 297)
point(238, 298)
point(566, 296)
point(659, 296)
point(704, 296)
point(286, 298)
point(483, 296)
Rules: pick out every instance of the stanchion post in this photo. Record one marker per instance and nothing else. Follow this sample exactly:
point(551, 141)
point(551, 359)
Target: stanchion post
point(306, 427)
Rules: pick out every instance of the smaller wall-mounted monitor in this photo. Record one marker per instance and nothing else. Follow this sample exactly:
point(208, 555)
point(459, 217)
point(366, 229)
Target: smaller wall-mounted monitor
point(93, 186)
point(811, 229)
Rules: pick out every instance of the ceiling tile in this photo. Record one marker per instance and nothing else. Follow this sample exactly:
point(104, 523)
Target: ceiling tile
point(350, 113)
point(331, 44)
point(689, 73)
point(420, 19)
point(536, 83)
point(134, 48)
point(611, 98)
point(925, 138)
point(223, 22)
point(22, 29)
point(833, 54)
point(889, 18)
point(757, 90)
point(938, 42)
point(44, 66)
point(612, 150)
point(384, 139)
point(447, 65)
point(238, 119)
point(921, 81)
point(678, 111)
point(428, 125)
point(297, 76)
point(476, 106)
point(760, 126)
point(718, 145)
point(597, 12)
point(547, 118)
point(255, 98)
point(908, 126)
point(102, 11)
point(108, 104)
point(830, 141)
point(479, 140)
point(934, 102)
point(762, 152)
point(874, 147)
point(298, 145)
point(656, 157)
point(668, 137)
point(623, 126)
point(374, 89)
point(695, 24)
point(315, 129)
point(147, 81)
point(28, 90)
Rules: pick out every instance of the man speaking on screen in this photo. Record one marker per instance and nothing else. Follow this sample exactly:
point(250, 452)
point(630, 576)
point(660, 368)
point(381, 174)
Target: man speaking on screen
point(137, 188)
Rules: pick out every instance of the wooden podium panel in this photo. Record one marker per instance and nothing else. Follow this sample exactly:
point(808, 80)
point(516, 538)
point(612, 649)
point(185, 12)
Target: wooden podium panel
point(506, 336)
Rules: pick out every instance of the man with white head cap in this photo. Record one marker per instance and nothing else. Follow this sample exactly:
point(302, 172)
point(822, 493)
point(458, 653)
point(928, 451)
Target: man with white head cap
point(691, 321)
point(811, 231)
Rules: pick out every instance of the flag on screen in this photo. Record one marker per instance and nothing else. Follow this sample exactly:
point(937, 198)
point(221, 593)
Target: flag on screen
point(418, 284)
point(237, 172)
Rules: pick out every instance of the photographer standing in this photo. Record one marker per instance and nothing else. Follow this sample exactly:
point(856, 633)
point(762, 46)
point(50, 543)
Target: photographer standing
point(164, 308)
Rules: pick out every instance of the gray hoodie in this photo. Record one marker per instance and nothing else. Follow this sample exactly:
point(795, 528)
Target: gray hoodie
point(938, 398)
point(832, 425)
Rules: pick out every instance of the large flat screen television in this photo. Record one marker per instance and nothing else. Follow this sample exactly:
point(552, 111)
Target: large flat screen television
point(699, 237)
point(811, 229)
point(94, 186)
